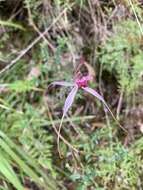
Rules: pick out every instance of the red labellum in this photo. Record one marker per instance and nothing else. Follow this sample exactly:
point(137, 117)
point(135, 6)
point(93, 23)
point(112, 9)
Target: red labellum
point(83, 81)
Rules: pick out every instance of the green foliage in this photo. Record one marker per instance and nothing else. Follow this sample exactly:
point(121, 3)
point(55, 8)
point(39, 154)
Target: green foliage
point(34, 6)
point(11, 155)
point(45, 57)
point(60, 50)
point(21, 86)
point(38, 144)
point(24, 128)
point(11, 24)
point(7, 171)
point(36, 140)
point(122, 56)
point(108, 164)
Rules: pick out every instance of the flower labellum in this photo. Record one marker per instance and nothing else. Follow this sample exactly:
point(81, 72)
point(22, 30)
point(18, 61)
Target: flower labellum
point(82, 82)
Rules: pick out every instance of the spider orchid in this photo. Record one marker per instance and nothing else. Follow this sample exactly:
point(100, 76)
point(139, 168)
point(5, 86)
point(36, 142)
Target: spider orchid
point(80, 82)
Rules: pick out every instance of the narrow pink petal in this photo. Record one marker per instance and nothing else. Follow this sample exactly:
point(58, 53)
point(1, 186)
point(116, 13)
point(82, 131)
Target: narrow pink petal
point(67, 105)
point(97, 95)
point(94, 93)
point(70, 99)
point(62, 83)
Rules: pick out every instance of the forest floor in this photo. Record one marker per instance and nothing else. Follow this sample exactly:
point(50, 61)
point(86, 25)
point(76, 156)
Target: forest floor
point(96, 44)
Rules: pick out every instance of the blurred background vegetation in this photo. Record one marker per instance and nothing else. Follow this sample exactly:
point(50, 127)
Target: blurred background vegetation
point(43, 41)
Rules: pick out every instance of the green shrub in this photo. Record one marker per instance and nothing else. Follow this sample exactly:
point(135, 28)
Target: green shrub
point(122, 56)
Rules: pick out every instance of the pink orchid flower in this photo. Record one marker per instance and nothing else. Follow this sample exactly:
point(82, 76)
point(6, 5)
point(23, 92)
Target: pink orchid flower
point(81, 82)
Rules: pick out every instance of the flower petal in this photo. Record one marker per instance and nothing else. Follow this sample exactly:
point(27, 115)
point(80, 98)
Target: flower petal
point(97, 95)
point(67, 105)
point(94, 93)
point(70, 99)
point(62, 83)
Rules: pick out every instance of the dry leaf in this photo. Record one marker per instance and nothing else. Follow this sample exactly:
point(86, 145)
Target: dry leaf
point(90, 69)
point(34, 73)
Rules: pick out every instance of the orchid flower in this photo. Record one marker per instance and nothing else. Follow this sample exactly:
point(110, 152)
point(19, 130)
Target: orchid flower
point(81, 82)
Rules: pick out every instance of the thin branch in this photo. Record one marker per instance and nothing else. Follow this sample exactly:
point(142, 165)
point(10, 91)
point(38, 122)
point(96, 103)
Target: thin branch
point(119, 105)
point(137, 19)
point(37, 29)
point(24, 51)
